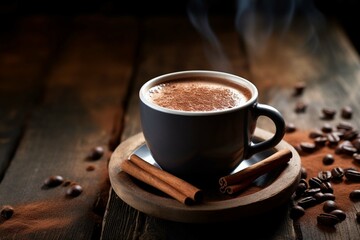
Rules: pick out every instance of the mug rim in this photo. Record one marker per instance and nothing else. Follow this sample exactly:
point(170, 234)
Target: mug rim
point(176, 75)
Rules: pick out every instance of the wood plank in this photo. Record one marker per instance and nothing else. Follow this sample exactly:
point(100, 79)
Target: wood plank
point(27, 49)
point(84, 92)
point(165, 50)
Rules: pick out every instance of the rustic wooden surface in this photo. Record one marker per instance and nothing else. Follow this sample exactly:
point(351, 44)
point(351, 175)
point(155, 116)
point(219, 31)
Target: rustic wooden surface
point(68, 84)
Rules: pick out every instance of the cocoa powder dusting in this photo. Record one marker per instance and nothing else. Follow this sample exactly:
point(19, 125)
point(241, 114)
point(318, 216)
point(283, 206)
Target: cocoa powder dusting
point(36, 217)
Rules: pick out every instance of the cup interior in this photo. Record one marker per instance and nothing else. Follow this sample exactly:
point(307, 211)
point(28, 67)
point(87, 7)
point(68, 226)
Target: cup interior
point(226, 77)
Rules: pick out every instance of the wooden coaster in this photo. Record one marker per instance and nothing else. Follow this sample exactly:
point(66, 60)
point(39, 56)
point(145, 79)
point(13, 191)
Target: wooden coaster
point(216, 206)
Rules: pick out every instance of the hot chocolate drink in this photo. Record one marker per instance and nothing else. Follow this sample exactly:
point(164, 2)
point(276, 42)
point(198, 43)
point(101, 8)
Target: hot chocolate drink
point(199, 94)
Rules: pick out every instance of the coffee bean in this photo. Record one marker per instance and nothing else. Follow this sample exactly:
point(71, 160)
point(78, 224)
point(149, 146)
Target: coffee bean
point(324, 175)
point(329, 206)
point(339, 213)
point(303, 180)
point(328, 159)
point(329, 196)
point(96, 153)
point(53, 181)
point(320, 141)
point(300, 107)
point(299, 88)
point(358, 217)
point(74, 190)
point(327, 219)
point(337, 174)
point(326, 187)
point(350, 135)
point(307, 147)
point(301, 188)
point(303, 173)
point(345, 126)
point(307, 202)
point(326, 128)
point(355, 195)
point(356, 143)
point(7, 211)
point(352, 175)
point(316, 133)
point(333, 139)
point(315, 182)
point(296, 212)
point(346, 112)
point(348, 150)
point(328, 113)
point(320, 197)
point(356, 157)
point(311, 191)
point(290, 127)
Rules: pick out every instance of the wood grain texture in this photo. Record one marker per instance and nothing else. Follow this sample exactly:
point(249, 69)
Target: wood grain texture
point(81, 97)
point(28, 47)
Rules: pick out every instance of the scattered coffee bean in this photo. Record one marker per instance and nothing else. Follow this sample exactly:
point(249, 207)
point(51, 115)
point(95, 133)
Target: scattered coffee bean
point(346, 112)
point(348, 150)
point(74, 190)
point(358, 217)
point(301, 188)
point(300, 107)
point(96, 153)
point(339, 213)
point(327, 219)
point(326, 128)
point(356, 157)
point(333, 139)
point(315, 182)
point(329, 206)
point(352, 175)
point(350, 135)
point(290, 127)
point(53, 181)
point(303, 173)
point(345, 126)
point(90, 168)
point(307, 147)
point(311, 191)
point(326, 187)
point(355, 195)
point(328, 113)
point(320, 141)
point(299, 88)
point(337, 174)
point(7, 211)
point(324, 175)
point(328, 159)
point(316, 133)
point(303, 180)
point(356, 143)
point(307, 202)
point(296, 212)
point(320, 197)
point(329, 196)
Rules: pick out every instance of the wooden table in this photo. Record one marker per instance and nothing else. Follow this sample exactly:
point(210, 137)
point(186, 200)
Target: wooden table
point(68, 84)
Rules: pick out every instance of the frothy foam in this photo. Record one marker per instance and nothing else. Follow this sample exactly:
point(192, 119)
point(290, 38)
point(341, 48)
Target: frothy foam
point(198, 94)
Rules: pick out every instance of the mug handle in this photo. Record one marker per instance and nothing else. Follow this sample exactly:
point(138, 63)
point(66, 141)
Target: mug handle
point(276, 117)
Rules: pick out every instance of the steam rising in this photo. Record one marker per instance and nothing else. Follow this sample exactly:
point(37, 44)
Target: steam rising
point(256, 20)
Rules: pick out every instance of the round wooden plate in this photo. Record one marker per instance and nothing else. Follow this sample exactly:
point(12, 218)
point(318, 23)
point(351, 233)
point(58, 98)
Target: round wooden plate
point(271, 192)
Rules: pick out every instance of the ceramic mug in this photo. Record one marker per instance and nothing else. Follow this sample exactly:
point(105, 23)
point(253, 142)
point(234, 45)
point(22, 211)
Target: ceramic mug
point(202, 143)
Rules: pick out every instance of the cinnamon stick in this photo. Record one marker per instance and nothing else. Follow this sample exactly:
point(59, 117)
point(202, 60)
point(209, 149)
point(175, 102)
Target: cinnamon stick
point(162, 180)
point(256, 170)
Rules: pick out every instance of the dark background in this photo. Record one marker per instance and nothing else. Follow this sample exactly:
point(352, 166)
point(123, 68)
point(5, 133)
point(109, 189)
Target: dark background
point(345, 11)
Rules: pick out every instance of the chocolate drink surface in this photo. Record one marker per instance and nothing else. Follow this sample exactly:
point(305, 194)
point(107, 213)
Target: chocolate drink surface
point(199, 94)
